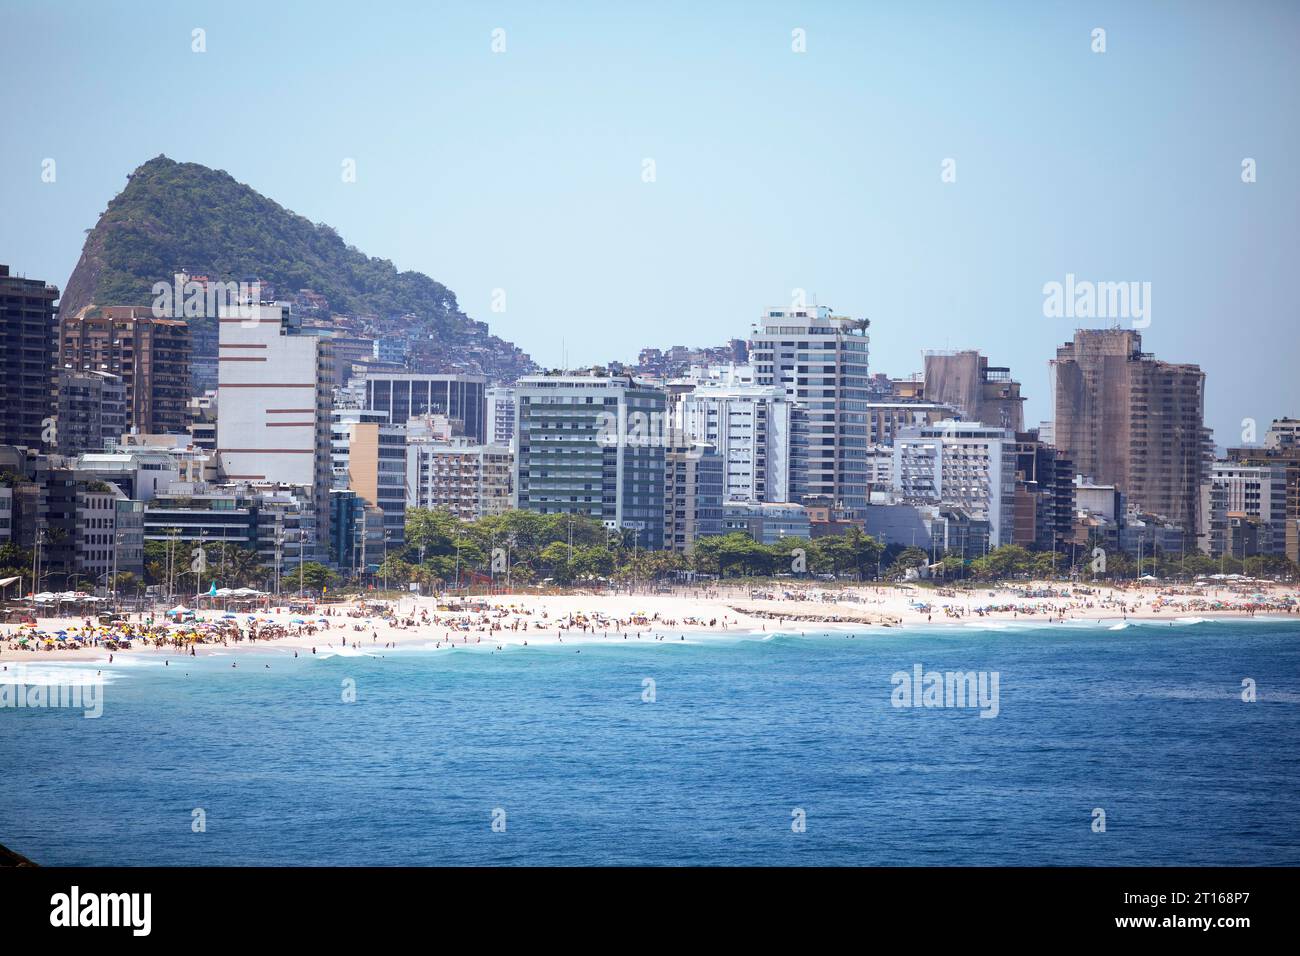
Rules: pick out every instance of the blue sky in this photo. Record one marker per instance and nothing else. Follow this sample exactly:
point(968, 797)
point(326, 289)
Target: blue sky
point(775, 170)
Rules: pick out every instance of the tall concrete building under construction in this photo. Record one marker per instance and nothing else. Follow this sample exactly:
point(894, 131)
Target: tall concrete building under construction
point(984, 393)
point(1125, 418)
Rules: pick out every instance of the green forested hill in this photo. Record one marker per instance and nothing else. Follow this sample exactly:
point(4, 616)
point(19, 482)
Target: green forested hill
point(173, 216)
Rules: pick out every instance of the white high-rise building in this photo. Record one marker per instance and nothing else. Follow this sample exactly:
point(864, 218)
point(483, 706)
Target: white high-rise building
point(467, 479)
point(274, 390)
point(749, 425)
point(501, 415)
point(821, 361)
point(962, 465)
point(880, 468)
point(1246, 511)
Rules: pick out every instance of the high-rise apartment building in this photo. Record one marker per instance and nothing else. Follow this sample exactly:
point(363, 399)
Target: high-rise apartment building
point(57, 534)
point(821, 361)
point(110, 533)
point(1044, 494)
point(963, 465)
point(1125, 418)
point(274, 395)
point(356, 533)
point(341, 422)
point(150, 355)
point(594, 446)
point(694, 491)
point(92, 411)
point(750, 427)
point(377, 472)
point(500, 427)
point(460, 476)
point(29, 338)
point(1247, 509)
point(1280, 450)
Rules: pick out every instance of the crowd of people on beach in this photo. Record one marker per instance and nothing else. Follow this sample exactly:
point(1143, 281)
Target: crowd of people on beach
point(1064, 605)
point(483, 618)
point(185, 634)
point(448, 622)
point(148, 630)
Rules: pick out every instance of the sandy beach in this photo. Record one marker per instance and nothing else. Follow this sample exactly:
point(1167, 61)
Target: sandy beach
point(695, 615)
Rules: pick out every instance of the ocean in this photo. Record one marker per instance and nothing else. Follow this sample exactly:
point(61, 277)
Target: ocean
point(761, 750)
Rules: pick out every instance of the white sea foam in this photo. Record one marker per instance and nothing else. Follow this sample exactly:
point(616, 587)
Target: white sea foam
point(54, 675)
point(123, 661)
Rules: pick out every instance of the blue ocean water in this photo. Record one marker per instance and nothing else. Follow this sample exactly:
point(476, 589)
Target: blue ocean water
point(1146, 723)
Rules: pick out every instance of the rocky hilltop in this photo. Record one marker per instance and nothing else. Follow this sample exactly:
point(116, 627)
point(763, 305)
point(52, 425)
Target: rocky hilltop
point(174, 217)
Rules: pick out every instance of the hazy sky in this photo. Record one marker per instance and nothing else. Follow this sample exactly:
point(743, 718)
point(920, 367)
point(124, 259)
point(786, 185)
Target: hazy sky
point(774, 170)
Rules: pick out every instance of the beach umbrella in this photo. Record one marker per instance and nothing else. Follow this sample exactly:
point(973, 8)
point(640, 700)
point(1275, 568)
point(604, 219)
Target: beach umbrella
point(297, 620)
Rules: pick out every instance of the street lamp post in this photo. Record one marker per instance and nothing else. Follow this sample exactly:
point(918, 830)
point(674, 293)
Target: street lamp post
point(36, 561)
point(279, 550)
point(117, 544)
point(200, 560)
point(459, 533)
point(385, 563)
point(510, 543)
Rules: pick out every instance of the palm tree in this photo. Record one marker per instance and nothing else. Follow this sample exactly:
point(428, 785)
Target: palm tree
point(243, 567)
